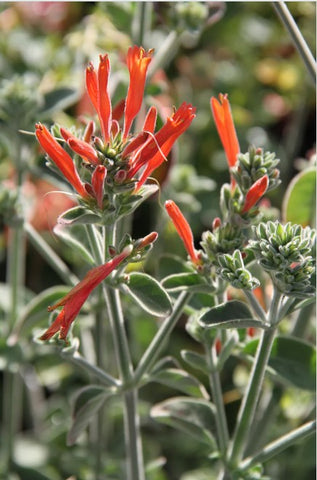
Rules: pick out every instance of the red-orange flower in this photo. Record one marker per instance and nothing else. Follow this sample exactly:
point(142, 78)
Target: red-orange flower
point(75, 299)
point(97, 88)
point(81, 147)
point(255, 192)
point(138, 61)
point(61, 158)
point(225, 126)
point(183, 229)
point(154, 152)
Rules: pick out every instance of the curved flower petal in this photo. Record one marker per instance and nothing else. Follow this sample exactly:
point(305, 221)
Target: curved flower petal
point(138, 61)
point(183, 229)
point(61, 158)
point(75, 299)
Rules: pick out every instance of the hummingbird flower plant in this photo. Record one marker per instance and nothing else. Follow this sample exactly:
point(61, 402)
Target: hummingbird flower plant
point(245, 252)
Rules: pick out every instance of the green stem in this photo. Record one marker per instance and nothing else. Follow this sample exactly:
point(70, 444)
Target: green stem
point(277, 446)
point(50, 256)
point(158, 342)
point(250, 399)
point(104, 377)
point(255, 305)
point(134, 453)
point(165, 54)
point(298, 39)
point(141, 22)
point(95, 244)
point(251, 396)
point(215, 385)
point(12, 391)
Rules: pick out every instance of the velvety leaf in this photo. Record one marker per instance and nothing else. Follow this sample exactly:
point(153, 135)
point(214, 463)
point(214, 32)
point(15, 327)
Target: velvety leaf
point(165, 363)
point(299, 204)
point(59, 99)
point(233, 314)
point(195, 417)
point(149, 294)
point(74, 244)
point(144, 193)
point(86, 404)
point(293, 359)
point(190, 281)
point(195, 360)
point(78, 214)
point(10, 355)
point(169, 264)
point(180, 380)
point(36, 310)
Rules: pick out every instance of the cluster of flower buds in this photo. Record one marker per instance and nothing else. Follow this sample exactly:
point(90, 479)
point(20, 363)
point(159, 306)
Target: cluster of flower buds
point(287, 253)
point(250, 167)
point(234, 272)
point(251, 176)
point(117, 162)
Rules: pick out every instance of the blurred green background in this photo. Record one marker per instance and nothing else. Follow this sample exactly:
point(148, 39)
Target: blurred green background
point(239, 48)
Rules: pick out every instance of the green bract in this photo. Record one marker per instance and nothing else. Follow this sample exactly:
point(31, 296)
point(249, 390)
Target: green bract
point(253, 165)
point(287, 253)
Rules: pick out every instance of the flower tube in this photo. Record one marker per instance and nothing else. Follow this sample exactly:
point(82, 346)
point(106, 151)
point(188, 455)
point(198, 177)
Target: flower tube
point(183, 229)
point(61, 158)
point(75, 299)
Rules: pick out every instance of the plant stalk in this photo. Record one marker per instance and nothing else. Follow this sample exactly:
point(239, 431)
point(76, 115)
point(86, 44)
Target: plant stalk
point(277, 446)
point(297, 37)
point(252, 393)
point(215, 386)
point(150, 355)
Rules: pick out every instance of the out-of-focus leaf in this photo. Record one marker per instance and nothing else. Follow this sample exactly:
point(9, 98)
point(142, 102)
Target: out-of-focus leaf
point(169, 264)
point(78, 214)
point(299, 204)
point(195, 360)
point(191, 282)
point(180, 380)
point(195, 417)
point(86, 404)
point(75, 244)
point(10, 355)
point(59, 99)
point(233, 314)
point(36, 309)
point(149, 294)
point(292, 359)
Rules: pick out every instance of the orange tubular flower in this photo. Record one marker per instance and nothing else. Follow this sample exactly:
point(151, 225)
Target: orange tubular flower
point(75, 299)
point(61, 158)
point(138, 61)
point(225, 126)
point(97, 182)
point(82, 148)
point(255, 192)
point(97, 88)
point(157, 148)
point(183, 229)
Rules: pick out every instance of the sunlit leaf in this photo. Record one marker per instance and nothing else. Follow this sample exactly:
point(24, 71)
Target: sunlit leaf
point(293, 359)
point(195, 417)
point(148, 293)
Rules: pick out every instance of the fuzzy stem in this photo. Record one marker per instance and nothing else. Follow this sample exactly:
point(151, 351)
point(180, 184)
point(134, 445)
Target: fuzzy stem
point(252, 393)
point(103, 377)
point(134, 454)
point(256, 305)
point(277, 446)
point(297, 37)
point(158, 342)
point(215, 385)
